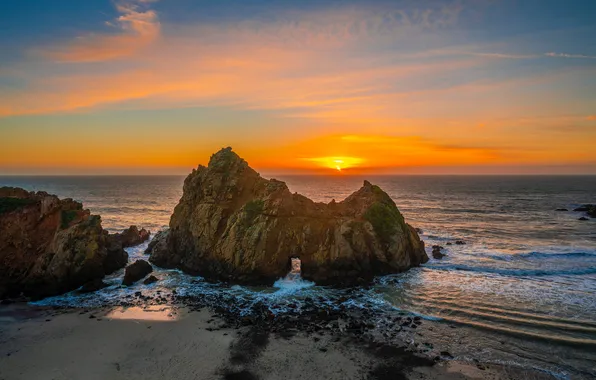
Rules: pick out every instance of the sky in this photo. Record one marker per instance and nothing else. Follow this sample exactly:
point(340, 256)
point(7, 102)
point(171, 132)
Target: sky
point(298, 87)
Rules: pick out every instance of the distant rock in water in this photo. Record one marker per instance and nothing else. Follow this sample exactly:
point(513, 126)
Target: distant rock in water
point(561, 209)
point(233, 225)
point(437, 252)
point(583, 218)
point(50, 246)
point(136, 271)
point(589, 209)
point(132, 236)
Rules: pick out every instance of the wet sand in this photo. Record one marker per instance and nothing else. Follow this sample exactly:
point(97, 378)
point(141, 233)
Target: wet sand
point(169, 343)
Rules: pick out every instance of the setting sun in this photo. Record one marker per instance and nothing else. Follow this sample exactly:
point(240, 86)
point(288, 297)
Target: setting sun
point(337, 163)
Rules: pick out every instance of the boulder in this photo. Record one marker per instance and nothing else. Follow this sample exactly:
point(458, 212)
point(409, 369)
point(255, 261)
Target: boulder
point(50, 246)
point(136, 271)
point(132, 236)
point(437, 254)
point(150, 280)
point(589, 209)
point(93, 286)
point(233, 225)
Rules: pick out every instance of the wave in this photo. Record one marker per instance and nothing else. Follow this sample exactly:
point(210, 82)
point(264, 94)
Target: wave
point(540, 255)
point(514, 271)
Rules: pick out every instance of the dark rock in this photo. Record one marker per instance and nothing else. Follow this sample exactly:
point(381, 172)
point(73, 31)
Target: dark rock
point(250, 228)
point(93, 285)
point(437, 254)
point(449, 243)
point(49, 245)
point(561, 209)
point(136, 271)
point(446, 354)
point(132, 236)
point(590, 210)
point(150, 280)
point(460, 242)
point(583, 218)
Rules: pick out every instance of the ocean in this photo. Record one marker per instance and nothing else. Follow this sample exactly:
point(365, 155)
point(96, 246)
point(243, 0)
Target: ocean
point(521, 291)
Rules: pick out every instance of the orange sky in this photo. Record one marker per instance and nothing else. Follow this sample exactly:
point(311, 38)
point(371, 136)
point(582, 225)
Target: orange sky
point(344, 90)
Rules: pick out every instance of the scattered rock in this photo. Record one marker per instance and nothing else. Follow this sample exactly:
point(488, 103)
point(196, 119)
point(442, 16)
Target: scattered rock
point(446, 354)
point(561, 209)
point(150, 280)
point(132, 236)
point(583, 218)
point(589, 209)
point(460, 242)
point(250, 228)
point(136, 271)
point(93, 285)
point(437, 254)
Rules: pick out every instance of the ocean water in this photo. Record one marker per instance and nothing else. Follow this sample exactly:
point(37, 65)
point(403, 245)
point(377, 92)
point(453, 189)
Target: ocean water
point(521, 291)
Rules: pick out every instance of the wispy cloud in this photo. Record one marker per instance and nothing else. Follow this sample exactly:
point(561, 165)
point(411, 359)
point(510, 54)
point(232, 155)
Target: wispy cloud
point(564, 55)
point(528, 56)
point(591, 117)
point(136, 27)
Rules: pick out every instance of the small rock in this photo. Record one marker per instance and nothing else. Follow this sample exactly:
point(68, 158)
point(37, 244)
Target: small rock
point(93, 285)
point(150, 280)
point(460, 242)
point(583, 218)
point(136, 271)
point(561, 209)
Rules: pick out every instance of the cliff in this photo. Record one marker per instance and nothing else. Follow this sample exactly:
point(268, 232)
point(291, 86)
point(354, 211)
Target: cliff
point(49, 246)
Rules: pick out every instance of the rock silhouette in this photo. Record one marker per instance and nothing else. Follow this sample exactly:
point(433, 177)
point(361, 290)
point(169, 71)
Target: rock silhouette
point(233, 225)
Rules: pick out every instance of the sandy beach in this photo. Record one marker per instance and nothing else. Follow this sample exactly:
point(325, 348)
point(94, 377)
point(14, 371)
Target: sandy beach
point(170, 343)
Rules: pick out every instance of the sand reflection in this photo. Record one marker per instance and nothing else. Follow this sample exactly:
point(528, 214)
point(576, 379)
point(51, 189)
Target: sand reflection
point(148, 313)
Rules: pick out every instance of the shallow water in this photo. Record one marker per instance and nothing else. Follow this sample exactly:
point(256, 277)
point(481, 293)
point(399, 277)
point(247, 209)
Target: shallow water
point(522, 290)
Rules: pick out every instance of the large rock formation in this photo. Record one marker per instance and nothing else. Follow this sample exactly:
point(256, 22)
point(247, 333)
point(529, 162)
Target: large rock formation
point(49, 246)
point(233, 225)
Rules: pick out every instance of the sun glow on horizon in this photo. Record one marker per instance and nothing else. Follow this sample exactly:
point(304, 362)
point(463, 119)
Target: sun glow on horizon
point(338, 163)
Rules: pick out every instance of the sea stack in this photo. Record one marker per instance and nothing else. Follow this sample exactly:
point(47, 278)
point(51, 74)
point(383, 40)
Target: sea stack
point(49, 246)
point(233, 225)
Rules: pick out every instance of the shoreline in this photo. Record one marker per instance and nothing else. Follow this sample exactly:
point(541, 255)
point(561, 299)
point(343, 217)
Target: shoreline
point(194, 342)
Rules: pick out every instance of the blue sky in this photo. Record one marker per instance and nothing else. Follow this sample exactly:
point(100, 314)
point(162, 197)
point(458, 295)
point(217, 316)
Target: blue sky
point(508, 86)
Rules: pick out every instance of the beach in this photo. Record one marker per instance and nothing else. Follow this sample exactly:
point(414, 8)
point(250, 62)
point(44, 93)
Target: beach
point(165, 342)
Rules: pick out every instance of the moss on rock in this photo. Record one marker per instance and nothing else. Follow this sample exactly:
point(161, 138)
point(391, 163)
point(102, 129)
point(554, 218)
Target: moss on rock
point(8, 204)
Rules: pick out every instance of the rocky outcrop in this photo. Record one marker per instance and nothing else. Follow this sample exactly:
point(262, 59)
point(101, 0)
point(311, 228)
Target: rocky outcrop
point(233, 225)
point(589, 209)
point(49, 246)
point(136, 271)
point(437, 252)
point(132, 236)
